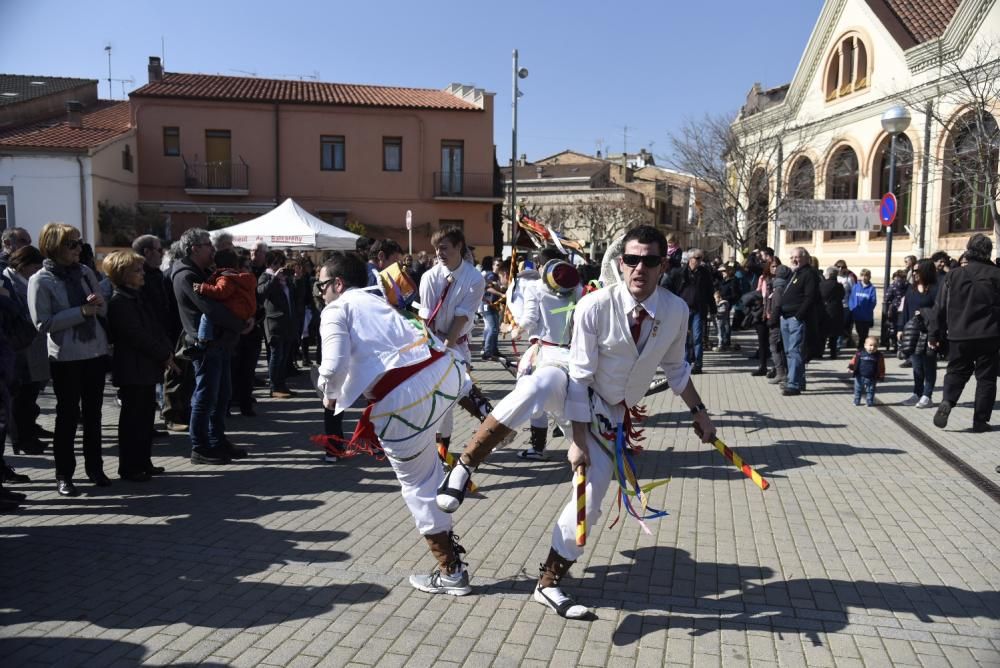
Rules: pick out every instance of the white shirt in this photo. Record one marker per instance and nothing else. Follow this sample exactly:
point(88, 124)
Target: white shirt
point(603, 356)
point(463, 298)
point(364, 337)
point(545, 314)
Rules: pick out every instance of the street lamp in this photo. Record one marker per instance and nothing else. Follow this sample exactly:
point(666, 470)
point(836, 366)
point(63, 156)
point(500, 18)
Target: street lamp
point(516, 74)
point(894, 121)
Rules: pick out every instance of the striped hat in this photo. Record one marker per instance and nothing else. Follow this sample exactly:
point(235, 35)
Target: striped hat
point(560, 276)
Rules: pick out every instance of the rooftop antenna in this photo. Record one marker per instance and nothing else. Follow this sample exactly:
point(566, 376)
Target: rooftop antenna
point(111, 94)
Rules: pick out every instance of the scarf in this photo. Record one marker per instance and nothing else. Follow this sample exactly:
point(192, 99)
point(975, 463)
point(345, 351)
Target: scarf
point(72, 280)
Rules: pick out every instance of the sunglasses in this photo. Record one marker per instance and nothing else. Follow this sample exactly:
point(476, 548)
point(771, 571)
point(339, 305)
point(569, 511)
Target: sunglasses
point(73, 243)
point(322, 285)
point(646, 260)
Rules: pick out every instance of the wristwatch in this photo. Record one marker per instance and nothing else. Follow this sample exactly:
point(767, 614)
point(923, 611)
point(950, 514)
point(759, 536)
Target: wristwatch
point(698, 409)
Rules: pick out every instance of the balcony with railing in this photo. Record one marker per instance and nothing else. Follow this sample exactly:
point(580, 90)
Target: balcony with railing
point(468, 186)
point(217, 178)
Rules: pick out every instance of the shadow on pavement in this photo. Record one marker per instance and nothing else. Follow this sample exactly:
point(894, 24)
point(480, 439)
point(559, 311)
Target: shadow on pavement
point(56, 650)
point(806, 605)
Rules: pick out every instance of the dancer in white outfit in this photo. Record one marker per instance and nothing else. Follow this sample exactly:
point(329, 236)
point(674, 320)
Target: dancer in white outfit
point(450, 293)
point(411, 381)
point(620, 335)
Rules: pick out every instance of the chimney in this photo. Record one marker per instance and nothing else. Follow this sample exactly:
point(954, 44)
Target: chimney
point(74, 113)
point(524, 159)
point(155, 69)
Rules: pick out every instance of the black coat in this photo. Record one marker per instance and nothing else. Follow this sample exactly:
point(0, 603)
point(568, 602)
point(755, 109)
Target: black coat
point(280, 316)
point(831, 292)
point(141, 345)
point(968, 304)
point(695, 288)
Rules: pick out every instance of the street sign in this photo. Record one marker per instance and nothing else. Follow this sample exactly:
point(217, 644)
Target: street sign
point(887, 209)
point(830, 215)
point(409, 219)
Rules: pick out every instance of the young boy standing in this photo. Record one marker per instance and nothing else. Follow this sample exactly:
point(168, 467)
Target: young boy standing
point(868, 367)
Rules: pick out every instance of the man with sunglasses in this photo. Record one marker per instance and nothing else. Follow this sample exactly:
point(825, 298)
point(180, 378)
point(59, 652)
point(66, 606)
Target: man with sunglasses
point(620, 335)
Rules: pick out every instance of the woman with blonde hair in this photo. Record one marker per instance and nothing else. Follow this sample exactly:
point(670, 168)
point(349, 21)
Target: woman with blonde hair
point(142, 352)
point(66, 305)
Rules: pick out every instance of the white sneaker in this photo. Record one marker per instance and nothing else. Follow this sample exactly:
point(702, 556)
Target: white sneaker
point(911, 400)
point(456, 584)
point(924, 402)
point(554, 598)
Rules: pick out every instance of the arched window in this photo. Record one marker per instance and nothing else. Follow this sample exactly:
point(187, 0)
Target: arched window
point(758, 211)
point(842, 181)
point(904, 180)
point(972, 158)
point(849, 68)
point(801, 185)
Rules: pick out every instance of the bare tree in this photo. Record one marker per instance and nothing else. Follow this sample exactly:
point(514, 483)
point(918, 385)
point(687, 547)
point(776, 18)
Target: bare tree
point(735, 167)
point(969, 163)
point(606, 218)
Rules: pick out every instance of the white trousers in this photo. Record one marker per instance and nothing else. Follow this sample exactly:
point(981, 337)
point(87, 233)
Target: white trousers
point(405, 421)
point(544, 391)
point(447, 423)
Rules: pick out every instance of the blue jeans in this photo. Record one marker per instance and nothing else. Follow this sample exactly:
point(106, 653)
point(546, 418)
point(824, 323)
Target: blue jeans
point(866, 385)
point(277, 363)
point(924, 373)
point(212, 389)
point(696, 338)
point(725, 329)
point(205, 329)
point(491, 332)
point(793, 334)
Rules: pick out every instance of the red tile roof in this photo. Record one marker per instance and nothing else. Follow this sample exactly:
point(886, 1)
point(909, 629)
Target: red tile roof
point(102, 122)
point(924, 19)
point(245, 89)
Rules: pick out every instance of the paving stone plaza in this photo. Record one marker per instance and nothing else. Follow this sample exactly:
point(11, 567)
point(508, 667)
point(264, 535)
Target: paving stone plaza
point(867, 550)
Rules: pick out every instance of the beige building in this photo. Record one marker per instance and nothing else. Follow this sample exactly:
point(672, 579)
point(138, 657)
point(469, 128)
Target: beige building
point(863, 57)
point(593, 200)
point(215, 150)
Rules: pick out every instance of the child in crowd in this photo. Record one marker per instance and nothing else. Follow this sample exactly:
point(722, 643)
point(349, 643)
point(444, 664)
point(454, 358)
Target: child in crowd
point(231, 284)
point(868, 367)
point(723, 309)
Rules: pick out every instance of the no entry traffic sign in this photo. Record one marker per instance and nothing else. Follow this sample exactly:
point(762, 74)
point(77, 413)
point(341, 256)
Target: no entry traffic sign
point(887, 209)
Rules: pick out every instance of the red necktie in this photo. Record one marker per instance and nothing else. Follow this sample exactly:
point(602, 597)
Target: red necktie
point(636, 327)
point(447, 287)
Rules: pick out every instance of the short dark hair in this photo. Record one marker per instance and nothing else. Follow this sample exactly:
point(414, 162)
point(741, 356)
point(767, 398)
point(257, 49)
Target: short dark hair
point(925, 271)
point(362, 244)
point(385, 246)
point(349, 268)
point(454, 235)
point(552, 253)
point(24, 256)
point(768, 250)
point(646, 234)
point(979, 248)
point(275, 257)
point(940, 255)
point(226, 259)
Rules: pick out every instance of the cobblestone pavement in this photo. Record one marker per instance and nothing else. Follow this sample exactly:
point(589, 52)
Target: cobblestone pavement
point(866, 550)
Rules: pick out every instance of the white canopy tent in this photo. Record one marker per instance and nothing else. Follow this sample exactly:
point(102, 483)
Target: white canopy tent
point(290, 226)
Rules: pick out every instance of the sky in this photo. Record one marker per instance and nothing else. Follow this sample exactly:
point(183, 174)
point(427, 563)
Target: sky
point(601, 74)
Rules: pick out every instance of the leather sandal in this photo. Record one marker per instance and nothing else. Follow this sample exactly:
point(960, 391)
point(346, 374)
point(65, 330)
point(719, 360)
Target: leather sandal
point(450, 496)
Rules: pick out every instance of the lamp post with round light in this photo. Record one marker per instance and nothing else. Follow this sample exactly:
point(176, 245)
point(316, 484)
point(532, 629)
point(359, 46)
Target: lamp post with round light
point(894, 121)
point(516, 73)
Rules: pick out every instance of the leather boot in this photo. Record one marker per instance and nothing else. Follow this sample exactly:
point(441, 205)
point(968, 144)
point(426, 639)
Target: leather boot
point(491, 434)
point(476, 404)
point(539, 436)
point(553, 570)
point(446, 550)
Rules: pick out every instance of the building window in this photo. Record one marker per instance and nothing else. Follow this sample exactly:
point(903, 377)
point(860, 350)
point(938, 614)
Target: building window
point(171, 141)
point(802, 185)
point(332, 153)
point(972, 158)
point(848, 69)
point(127, 158)
point(904, 181)
point(392, 154)
point(842, 183)
point(452, 160)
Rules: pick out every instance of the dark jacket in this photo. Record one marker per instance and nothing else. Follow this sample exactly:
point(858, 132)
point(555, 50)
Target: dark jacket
point(695, 288)
point(731, 289)
point(968, 304)
point(279, 311)
point(801, 295)
point(141, 345)
point(831, 293)
point(914, 340)
point(191, 306)
point(772, 305)
point(915, 301)
point(154, 294)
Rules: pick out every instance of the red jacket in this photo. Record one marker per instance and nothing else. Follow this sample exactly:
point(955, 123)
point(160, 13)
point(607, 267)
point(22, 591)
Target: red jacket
point(236, 291)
